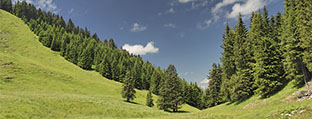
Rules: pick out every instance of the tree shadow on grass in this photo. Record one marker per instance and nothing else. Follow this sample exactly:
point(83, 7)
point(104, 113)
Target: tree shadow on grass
point(181, 111)
point(284, 84)
point(132, 102)
point(242, 100)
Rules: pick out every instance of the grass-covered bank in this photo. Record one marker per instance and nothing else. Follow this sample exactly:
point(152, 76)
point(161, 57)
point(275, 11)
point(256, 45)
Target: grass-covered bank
point(38, 83)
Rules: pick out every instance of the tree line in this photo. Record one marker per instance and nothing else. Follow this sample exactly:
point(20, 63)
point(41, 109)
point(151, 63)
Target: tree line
point(78, 46)
point(260, 61)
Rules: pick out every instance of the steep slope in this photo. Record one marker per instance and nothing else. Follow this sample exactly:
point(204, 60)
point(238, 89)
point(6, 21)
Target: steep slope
point(36, 82)
point(283, 105)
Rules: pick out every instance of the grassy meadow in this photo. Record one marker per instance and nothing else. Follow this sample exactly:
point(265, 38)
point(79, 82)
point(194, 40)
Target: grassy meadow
point(38, 83)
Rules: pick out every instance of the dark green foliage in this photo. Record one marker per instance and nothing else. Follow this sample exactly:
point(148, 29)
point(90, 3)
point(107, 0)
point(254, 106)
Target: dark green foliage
point(212, 95)
point(243, 87)
point(64, 43)
point(269, 69)
point(95, 36)
point(291, 43)
point(6, 5)
point(193, 95)
point(170, 92)
point(112, 44)
point(304, 19)
point(85, 59)
point(70, 27)
point(128, 91)
point(228, 61)
point(149, 99)
point(156, 80)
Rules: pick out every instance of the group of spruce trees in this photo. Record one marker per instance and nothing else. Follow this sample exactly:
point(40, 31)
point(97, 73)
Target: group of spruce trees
point(261, 60)
point(86, 50)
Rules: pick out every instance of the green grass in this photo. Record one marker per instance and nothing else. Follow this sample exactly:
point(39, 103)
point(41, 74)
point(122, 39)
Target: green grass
point(36, 82)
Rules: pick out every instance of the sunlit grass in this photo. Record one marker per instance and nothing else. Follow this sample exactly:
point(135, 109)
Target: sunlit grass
point(36, 82)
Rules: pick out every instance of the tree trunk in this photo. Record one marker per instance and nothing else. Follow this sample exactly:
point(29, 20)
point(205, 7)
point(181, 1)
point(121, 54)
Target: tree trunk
point(306, 75)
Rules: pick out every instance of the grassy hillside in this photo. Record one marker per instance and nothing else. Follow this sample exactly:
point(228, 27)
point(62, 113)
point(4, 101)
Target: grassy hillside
point(36, 82)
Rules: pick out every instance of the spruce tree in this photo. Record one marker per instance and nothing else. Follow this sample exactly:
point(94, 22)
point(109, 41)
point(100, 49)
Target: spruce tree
point(112, 44)
point(149, 99)
point(105, 68)
point(291, 45)
point(213, 91)
point(242, 80)
point(64, 43)
point(128, 91)
point(85, 59)
point(304, 20)
point(70, 27)
point(228, 61)
point(170, 92)
point(269, 69)
point(156, 81)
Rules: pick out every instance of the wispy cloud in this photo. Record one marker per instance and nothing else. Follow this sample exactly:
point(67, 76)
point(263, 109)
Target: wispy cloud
point(140, 49)
point(137, 27)
point(243, 7)
point(71, 11)
point(170, 25)
point(204, 25)
point(169, 11)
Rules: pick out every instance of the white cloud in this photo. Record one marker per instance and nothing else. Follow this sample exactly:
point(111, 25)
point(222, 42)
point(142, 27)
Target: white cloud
point(140, 49)
point(43, 4)
point(245, 7)
point(185, 1)
point(137, 27)
point(170, 25)
point(218, 6)
point(204, 25)
point(205, 81)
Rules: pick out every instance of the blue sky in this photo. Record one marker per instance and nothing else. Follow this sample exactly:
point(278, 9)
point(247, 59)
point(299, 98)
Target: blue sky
point(186, 33)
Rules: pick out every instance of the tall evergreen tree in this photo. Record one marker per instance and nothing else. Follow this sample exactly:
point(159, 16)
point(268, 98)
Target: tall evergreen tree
point(291, 44)
point(70, 27)
point(213, 91)
point(128, 91)
point(170, 92)
point(228, 61)
point(243, 80)
point(156, 81)
point(304, 19)
point(112, 44)
point(85, 59)
point(64, 43)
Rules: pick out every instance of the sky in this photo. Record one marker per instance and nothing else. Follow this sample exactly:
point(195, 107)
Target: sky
point(185, 33)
